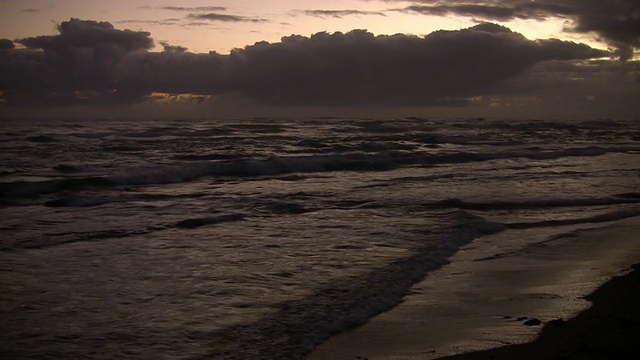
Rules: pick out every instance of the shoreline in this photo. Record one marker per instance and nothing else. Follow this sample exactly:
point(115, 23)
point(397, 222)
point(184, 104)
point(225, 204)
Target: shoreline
point(609, 329)
point(479, 302)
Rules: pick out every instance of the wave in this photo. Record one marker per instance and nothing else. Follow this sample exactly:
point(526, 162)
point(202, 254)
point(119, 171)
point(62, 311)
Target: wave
point(212, 220)
point(85, 201)
point(274, 166)
point(56, 239)
point(67, 169)
point(534, 154)
point(280, 208)
point(201, 157)
point(193, 171)
point(610, 216)
point(300, 325)
point(40, 139)
point(160, 132)
point(50, 240)
point(31, 188)
point(73, 201)
point(627, 198)
point(545, 125)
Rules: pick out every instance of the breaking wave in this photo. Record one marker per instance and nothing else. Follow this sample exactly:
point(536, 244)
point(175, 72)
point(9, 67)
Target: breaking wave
point(287, 165)
point(302, 324)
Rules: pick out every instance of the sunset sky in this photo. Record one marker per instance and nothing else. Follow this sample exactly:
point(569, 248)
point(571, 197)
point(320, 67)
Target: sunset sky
point(548, 58)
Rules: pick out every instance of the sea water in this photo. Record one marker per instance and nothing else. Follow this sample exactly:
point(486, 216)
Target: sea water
point(260, 238)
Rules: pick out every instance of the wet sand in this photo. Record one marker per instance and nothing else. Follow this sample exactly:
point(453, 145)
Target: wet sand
point(610, 329)
point(493, 303)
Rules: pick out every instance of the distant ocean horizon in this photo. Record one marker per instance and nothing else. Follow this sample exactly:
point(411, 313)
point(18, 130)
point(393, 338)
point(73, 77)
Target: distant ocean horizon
point(260, 238)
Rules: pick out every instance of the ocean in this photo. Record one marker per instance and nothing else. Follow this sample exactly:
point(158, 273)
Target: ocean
point(260, 238)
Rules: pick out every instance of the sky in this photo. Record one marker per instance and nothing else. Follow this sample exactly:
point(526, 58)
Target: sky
point(207, 58)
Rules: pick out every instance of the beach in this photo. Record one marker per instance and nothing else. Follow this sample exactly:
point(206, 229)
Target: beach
point(344, 179)
point(495, 306)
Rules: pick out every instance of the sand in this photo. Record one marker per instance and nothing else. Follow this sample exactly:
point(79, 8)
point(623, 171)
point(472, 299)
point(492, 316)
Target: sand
point(610, 329)
point(484, 300)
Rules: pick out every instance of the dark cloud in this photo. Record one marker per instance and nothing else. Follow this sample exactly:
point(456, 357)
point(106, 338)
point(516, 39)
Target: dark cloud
point(6, 44)
point(358, 68)
point(593, 88)
point(339, 13)
point(171, 21)
point(195, 8)
point(172, 48)
point(617, 22)
point(93, 63)
point(496, 10)
point(85, 56)
point(30, 10)
point(87, 34)
point(594, 76)
point(185, 8)
point(223, 17)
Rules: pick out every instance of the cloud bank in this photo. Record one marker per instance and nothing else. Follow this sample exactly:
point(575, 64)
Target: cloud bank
point(6, 44)
point(223, 17)
point(617, 22)
point(339, 14)
point(92, 63)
